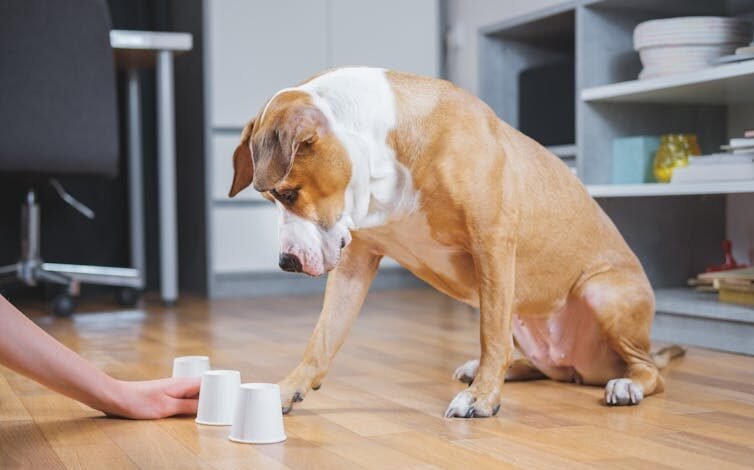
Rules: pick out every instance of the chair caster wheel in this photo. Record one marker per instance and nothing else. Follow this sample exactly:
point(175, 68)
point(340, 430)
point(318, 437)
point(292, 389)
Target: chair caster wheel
point(128, 296)
point(63, 305)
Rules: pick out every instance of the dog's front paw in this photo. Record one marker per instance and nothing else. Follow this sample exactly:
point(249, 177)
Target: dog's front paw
point(466, 371)
point(470, 403)
point(623, 392)
point(293, 390)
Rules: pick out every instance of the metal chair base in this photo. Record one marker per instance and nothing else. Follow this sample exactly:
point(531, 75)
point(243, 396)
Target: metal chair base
point(31, 270)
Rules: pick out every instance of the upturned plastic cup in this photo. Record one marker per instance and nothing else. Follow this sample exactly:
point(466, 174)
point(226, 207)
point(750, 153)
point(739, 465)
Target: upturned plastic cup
point(190, 366)
point(217, 397)
point(259, 416)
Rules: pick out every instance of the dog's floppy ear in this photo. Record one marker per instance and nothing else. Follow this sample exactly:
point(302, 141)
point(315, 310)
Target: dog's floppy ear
point(243, 165)
point(303, 125)
point(308, 125)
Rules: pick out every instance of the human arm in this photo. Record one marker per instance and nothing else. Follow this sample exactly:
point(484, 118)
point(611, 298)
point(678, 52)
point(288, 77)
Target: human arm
point(29, 350)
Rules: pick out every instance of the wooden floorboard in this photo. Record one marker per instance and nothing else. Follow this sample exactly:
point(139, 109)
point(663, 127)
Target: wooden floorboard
point(380, 407)
point(22, 445)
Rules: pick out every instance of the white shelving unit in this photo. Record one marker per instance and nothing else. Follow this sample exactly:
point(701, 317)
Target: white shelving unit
point(723, 84)
point(675, 229)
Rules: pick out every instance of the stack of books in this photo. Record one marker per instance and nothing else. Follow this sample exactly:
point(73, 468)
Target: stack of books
point(735, 164)
point(733, 286)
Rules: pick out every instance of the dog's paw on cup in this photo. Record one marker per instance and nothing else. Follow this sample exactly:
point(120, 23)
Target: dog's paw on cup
point(258, 418)
point(217, 399)
point(190, 366)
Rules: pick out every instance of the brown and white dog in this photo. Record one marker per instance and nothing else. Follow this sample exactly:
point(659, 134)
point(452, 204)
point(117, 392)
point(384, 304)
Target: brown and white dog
point(363, 162)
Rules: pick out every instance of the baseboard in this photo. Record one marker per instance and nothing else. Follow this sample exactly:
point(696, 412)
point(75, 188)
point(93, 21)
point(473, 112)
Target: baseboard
point(281, 283)
point(713, 333)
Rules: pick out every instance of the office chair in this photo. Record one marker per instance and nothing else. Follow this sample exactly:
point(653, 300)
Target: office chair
point(58, 116)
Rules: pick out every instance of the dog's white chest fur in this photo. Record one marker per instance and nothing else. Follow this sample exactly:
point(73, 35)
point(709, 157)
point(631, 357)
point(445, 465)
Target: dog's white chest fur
point(359, 104)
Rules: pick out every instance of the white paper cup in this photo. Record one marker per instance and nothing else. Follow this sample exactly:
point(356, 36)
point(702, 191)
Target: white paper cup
point(217, 397)
point(190, 366)
point(259, 415)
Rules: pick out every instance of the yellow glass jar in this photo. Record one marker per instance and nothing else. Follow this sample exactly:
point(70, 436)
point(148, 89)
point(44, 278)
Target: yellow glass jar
point(693, 144)
point(674, 152)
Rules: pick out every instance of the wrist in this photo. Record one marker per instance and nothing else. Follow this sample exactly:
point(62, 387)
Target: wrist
point(113, 399)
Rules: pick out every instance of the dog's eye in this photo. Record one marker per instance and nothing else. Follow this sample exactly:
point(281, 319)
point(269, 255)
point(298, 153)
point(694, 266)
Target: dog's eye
point(287, 197)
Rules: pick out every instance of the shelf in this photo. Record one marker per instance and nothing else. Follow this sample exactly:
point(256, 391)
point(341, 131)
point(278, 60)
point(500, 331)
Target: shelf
point(723, 84)
point(563, 151)
point(685, 316)
point(686, 301)
point(670, 189)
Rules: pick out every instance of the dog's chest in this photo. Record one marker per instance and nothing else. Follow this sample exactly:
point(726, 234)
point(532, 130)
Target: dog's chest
point(447, 268)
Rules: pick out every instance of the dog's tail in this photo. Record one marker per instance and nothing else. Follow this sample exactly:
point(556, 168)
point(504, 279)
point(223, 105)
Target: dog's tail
point(663, 357)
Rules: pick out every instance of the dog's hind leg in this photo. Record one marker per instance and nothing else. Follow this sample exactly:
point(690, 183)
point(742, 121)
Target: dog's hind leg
point(521, 369)
point(467, 371)
point(623, 304)
point(663, 357)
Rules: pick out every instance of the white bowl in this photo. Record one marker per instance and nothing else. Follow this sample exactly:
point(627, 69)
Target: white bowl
point(683, 57)
point(698, 30)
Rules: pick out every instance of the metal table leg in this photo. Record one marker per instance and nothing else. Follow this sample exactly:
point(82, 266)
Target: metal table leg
point(135, 177)
point(166, 166)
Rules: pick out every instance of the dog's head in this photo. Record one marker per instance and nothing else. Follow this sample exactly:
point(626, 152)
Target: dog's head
point(292, 156)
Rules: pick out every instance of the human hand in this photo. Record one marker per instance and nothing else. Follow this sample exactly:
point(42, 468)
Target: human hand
point(154, 399)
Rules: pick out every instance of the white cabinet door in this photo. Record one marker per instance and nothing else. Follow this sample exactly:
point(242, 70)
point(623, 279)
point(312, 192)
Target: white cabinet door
point(223, 146)
point(257, 47)
point(401, 35)
point(245, 239)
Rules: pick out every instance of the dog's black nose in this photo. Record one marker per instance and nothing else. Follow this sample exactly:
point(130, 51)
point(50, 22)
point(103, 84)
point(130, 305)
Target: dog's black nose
point(290, 263)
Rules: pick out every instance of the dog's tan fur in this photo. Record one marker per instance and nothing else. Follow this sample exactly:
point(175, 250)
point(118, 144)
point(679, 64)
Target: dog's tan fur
point(523, 240)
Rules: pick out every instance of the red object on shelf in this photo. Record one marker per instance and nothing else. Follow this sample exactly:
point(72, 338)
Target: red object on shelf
point(730, 262)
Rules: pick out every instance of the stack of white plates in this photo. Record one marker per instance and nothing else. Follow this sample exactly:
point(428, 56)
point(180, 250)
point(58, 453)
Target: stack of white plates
point(678, 45)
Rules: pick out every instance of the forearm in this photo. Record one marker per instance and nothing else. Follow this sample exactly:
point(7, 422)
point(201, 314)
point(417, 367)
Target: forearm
point(27, 349)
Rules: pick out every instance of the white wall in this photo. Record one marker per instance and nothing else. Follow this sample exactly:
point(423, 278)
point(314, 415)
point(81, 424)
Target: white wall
point(464, 18)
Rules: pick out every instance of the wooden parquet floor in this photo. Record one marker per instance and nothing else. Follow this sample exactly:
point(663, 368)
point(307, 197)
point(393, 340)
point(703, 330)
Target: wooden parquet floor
point(381, 405)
